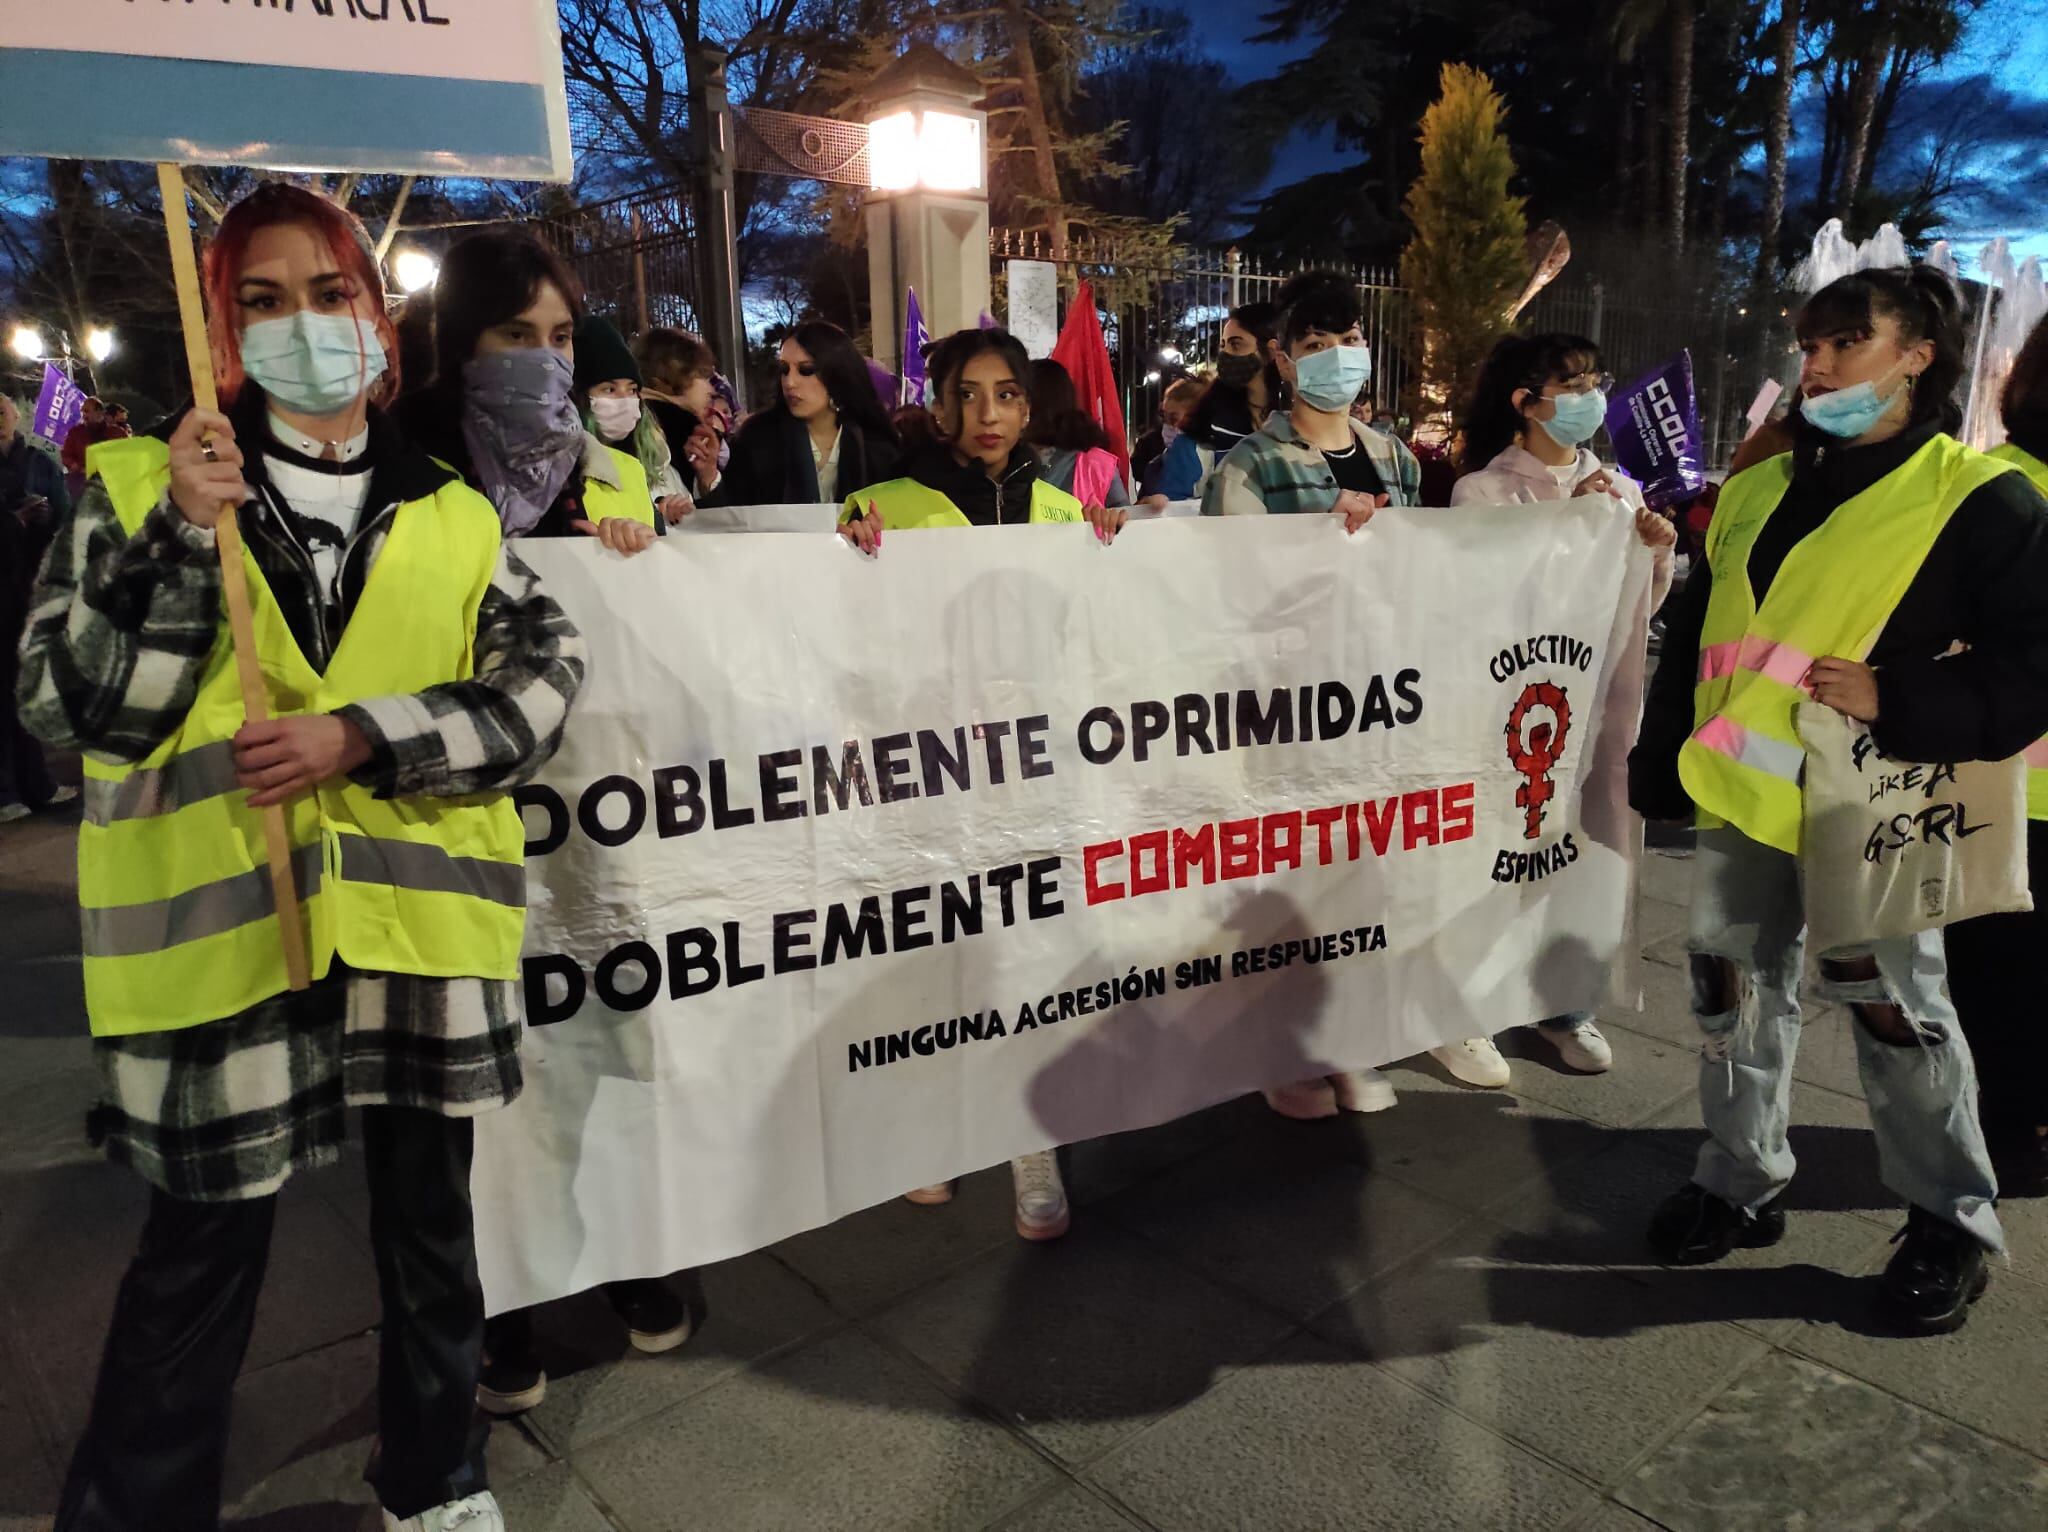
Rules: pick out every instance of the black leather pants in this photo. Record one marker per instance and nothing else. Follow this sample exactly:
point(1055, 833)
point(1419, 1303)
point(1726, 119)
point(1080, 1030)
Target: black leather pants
point(151, 1457)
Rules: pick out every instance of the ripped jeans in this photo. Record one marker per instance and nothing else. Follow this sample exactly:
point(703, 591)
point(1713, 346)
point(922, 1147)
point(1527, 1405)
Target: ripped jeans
point(1921, 1088)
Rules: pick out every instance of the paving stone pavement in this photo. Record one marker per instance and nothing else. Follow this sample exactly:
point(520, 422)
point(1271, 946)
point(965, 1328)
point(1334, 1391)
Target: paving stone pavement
point(1437, 1317)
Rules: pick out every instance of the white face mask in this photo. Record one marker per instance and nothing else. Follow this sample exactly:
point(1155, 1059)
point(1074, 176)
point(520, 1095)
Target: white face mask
point(616, 418)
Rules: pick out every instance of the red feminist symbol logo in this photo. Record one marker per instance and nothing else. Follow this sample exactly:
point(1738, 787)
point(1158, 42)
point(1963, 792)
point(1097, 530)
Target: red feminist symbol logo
point(1541, 748)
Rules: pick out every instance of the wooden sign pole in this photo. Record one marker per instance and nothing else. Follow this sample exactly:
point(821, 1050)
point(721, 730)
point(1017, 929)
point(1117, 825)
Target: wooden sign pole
point(227, 535)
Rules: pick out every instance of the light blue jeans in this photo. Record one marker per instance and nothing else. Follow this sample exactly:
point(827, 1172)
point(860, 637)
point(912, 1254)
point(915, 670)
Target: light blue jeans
point(1747, 908)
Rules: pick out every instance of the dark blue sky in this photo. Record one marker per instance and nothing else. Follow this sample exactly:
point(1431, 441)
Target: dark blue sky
point(2007, 45)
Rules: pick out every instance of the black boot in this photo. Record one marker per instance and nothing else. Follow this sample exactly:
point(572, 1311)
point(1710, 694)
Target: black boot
point(1693, 1227)
point(1937, 1274)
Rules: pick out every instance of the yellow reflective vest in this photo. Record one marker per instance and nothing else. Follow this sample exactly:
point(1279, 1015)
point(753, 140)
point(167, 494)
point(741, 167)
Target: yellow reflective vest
point(907, 503)
point(1831, 598)
point(2036, 753)
point(631, 499)
point(178, 920)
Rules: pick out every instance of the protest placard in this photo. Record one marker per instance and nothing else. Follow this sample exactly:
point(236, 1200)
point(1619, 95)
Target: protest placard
point(429, 87)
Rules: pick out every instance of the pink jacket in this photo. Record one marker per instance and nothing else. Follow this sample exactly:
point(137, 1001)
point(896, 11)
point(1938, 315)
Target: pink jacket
point(1518, 477)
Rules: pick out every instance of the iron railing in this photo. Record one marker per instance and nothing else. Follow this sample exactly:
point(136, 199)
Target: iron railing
point(1163, 310)
point(634, 256)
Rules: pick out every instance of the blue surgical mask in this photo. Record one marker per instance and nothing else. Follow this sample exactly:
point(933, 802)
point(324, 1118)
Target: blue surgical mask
point(1848, 413)
point(1578, 418)
point(1330, 379)
point(314, 364)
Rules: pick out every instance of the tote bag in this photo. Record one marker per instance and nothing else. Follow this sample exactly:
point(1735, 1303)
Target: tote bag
point(1889, 848)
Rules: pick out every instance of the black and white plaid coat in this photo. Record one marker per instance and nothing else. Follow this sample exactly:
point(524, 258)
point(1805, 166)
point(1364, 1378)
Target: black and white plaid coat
point(115, 650)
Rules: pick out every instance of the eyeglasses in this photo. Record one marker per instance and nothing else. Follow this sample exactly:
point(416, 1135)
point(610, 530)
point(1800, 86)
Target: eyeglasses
point(1588, 383)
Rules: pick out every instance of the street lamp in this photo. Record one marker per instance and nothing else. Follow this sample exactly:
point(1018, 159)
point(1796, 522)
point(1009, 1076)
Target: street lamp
point(26, 344)
point(415, 270)
point(99, 343)
point(927, 209)
point(927, 130)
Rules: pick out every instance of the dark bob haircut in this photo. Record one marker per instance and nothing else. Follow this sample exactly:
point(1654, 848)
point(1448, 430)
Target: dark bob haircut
point(1057, 419)
point(1516, 362)
point(1318, 300)
point(1923, 303)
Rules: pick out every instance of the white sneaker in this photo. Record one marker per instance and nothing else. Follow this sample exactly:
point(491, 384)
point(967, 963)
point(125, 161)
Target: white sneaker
point(9, 812)
point(1581, 1046)
point(62, 796)
point(1042, 1211)
point(936, 1195)
point(1475, 1061)
point(1363, 1090)
point(478, 1513)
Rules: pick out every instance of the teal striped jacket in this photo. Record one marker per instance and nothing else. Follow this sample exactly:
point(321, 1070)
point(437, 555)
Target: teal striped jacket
point(1274, 472)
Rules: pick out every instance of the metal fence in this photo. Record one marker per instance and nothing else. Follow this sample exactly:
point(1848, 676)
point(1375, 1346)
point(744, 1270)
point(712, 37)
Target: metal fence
point(1163, 310)
point(635, 258)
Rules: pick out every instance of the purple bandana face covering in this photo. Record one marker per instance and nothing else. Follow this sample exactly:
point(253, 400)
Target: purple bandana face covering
point(524, 435)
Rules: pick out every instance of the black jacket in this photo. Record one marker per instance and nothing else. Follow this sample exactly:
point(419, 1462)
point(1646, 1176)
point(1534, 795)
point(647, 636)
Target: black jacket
point(1984, 584)
point(985, 502)
point(771, 462)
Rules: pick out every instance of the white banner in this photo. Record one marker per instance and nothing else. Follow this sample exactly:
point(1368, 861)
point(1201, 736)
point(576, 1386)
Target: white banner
point(855, 875)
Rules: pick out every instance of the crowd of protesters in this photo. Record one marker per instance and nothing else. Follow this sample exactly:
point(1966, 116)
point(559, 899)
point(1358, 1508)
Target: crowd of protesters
point(420, 698)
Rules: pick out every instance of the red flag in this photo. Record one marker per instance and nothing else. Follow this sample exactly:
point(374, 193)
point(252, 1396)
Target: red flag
point(1085, 355)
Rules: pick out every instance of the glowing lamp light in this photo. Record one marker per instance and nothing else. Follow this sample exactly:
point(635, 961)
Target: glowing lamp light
point(927, 130)
point(949, 152)
point(934, 149)
point(99, 343)
point(893, 152)
point(26, 344)
point(415, 270)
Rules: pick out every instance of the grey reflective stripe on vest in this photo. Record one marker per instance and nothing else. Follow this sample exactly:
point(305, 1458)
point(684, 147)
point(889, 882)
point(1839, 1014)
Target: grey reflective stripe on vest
point(129, 930)
point(420, 865)
point(147, 792)
point(1773, 756)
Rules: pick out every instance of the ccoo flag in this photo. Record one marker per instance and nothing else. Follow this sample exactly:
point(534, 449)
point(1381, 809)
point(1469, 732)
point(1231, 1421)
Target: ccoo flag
point(915, 338)
point(59, 407)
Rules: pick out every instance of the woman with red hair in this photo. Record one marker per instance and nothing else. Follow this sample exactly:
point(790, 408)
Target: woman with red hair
point(416, 672)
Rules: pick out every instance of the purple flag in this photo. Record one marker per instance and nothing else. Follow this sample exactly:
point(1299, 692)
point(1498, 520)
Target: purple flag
point(987, 320)
point(59, 407)
point(886, 387)
point(1655, 427)
point(915, 338)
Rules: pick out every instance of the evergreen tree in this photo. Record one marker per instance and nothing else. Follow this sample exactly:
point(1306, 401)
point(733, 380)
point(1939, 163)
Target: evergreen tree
point(1466, 261)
